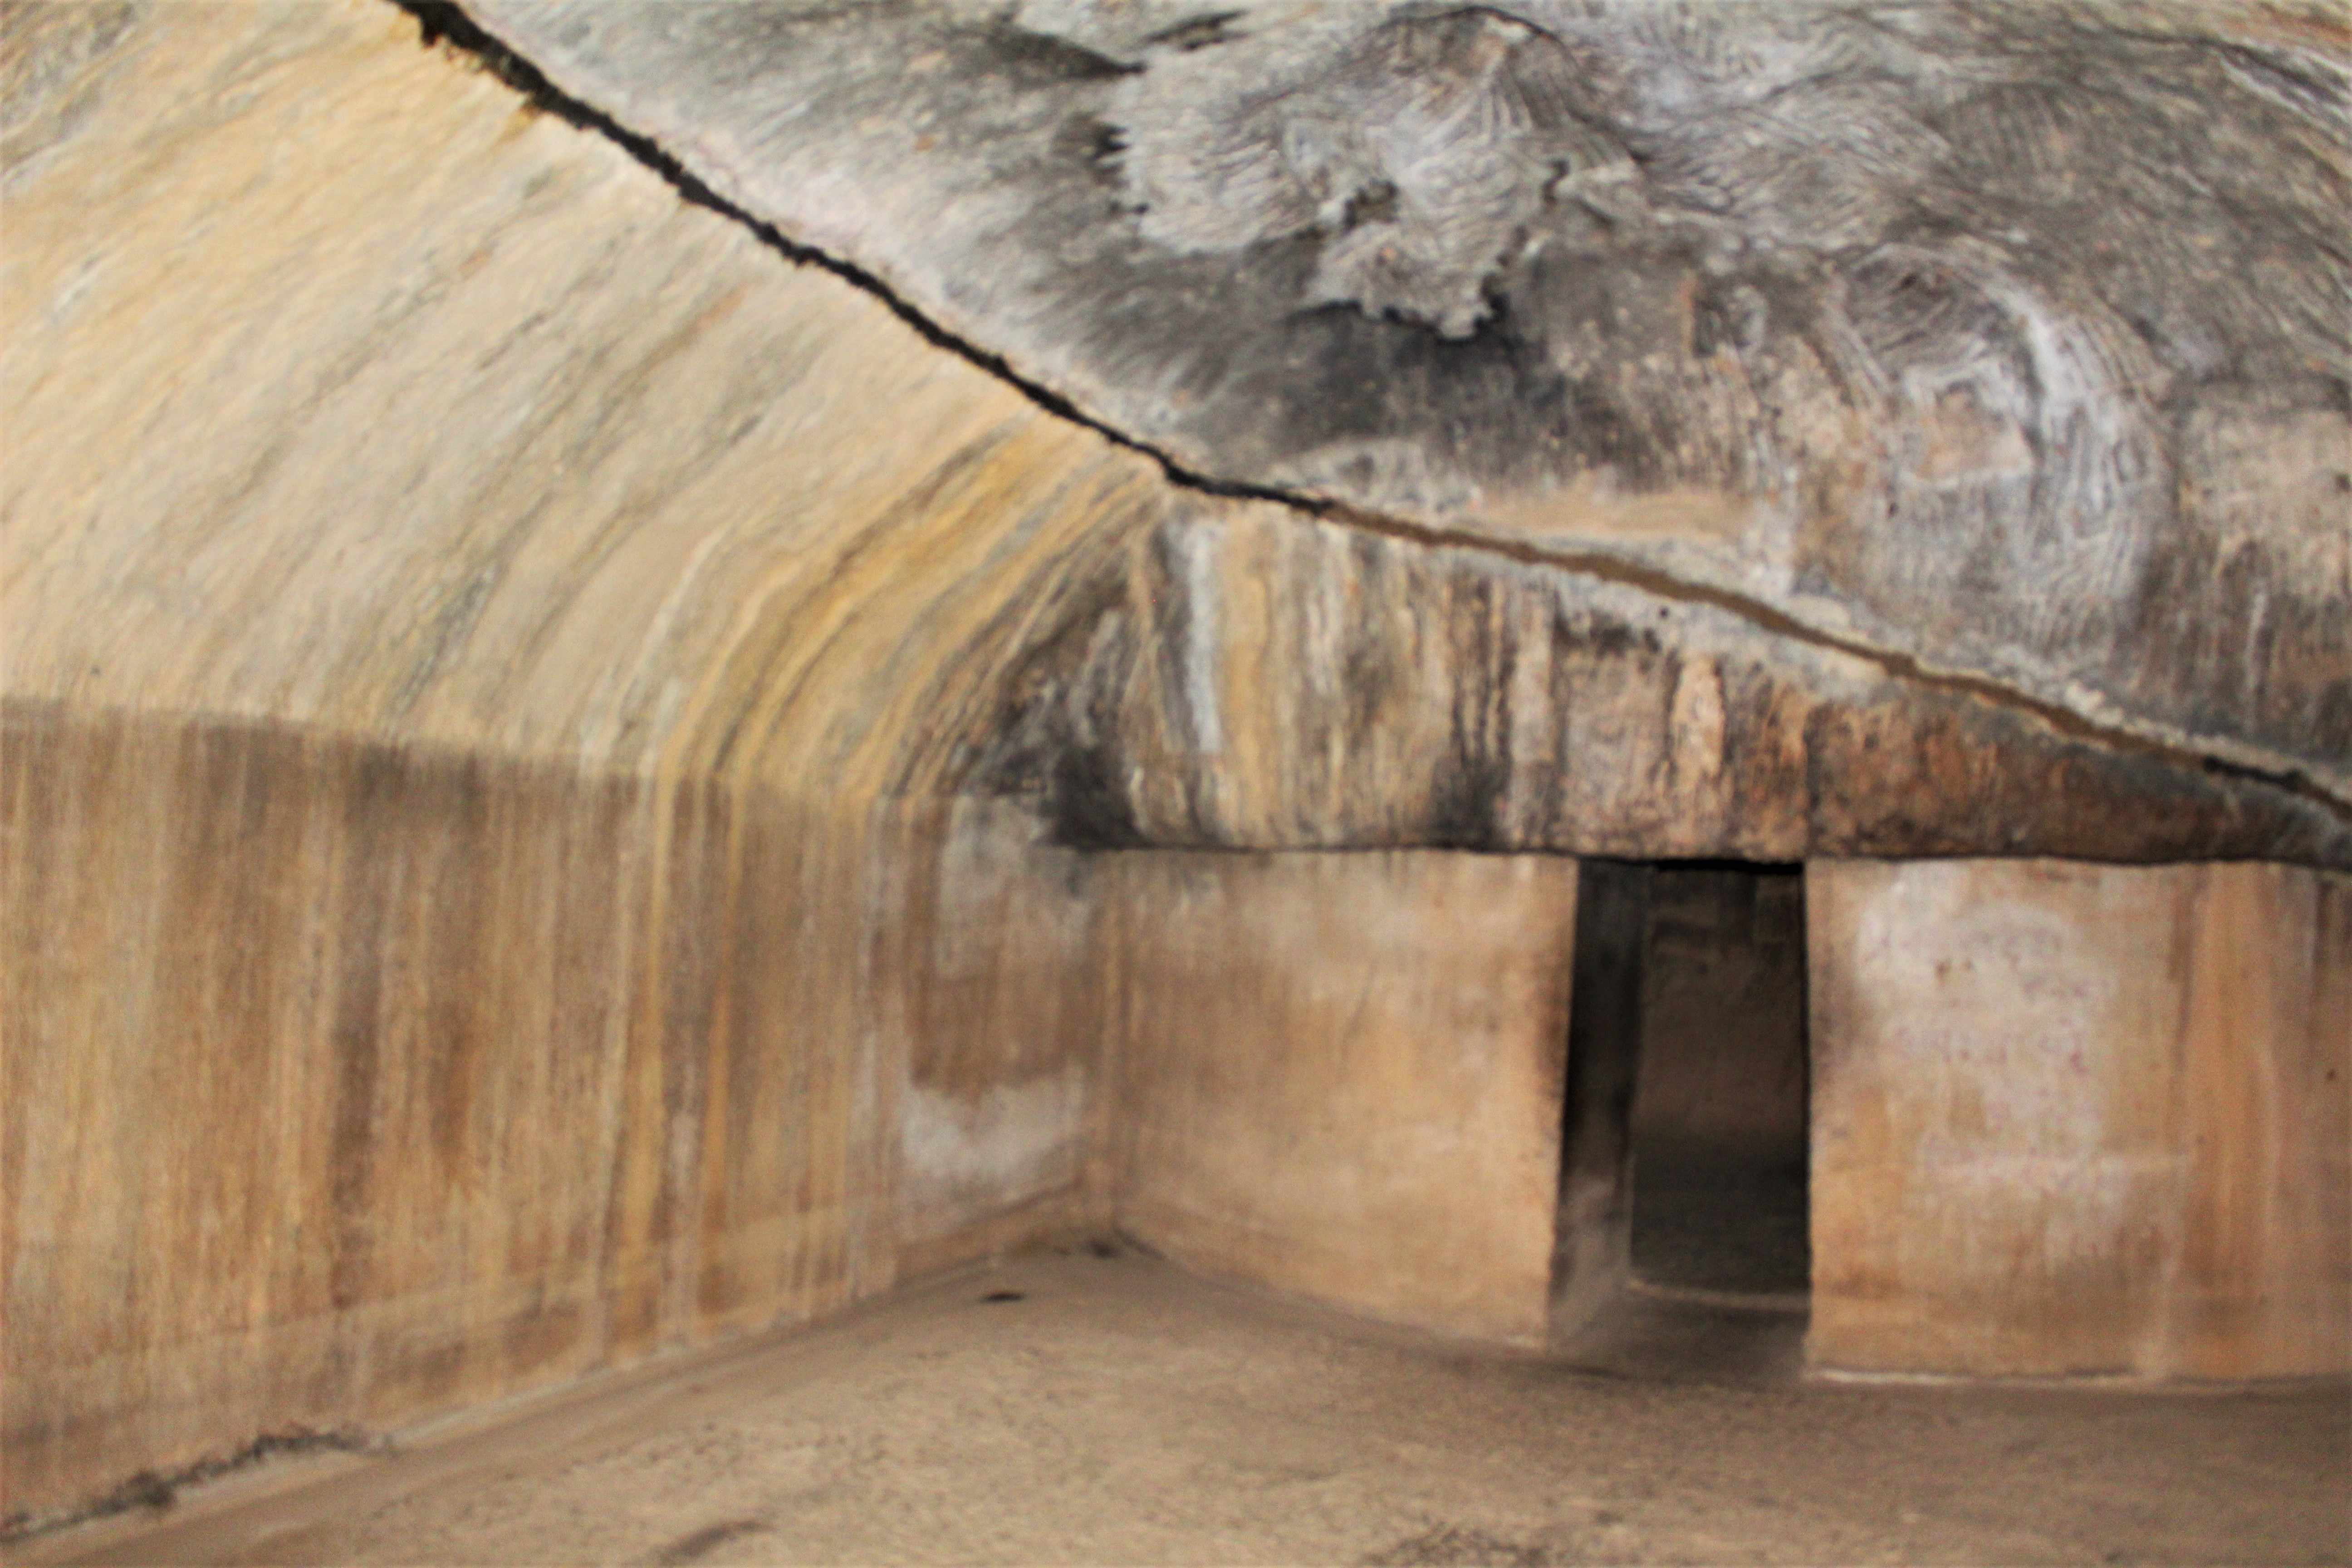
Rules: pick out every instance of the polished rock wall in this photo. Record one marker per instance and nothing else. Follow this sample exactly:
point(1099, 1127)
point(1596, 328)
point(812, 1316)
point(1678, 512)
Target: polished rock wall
point(347, 1083)
point(1339, 1075)
point(2078, 1119)
point(479, 901)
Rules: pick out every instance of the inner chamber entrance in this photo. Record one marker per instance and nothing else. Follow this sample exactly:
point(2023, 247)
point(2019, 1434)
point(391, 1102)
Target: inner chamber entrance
point(1682, 1224)
point(1718, 1111)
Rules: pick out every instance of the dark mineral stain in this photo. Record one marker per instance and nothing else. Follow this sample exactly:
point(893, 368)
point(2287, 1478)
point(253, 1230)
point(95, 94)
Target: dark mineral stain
point(1198, 33)
point(1087, 802)
point(1095, 144)
point(1376, 202)
point(155, 1490)
point(1466, 802)
point(1040, 59)
point(1446, 1545)
point(702, 1543)
point(375, 799)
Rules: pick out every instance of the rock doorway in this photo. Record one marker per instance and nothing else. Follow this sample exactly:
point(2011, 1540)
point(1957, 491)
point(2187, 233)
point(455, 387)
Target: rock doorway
point(1683, 1225)
point(1719, 1109)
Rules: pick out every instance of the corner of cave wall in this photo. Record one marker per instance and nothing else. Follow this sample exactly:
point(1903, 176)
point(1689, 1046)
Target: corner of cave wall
point(1338, 1074)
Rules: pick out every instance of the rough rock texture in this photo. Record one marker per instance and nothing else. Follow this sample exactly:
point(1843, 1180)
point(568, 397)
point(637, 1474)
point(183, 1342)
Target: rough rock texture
point(501, 447)
point(1267, 680)
point(2007, 338)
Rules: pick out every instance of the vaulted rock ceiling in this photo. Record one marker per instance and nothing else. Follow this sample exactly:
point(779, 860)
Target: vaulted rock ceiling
point(1957, 393)
point(1770, 432)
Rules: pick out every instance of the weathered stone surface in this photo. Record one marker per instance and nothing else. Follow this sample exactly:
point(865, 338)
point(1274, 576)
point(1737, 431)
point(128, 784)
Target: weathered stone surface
point(2080, 1119)
point(1265, 680)
point(472, 435)
point(2010, 339)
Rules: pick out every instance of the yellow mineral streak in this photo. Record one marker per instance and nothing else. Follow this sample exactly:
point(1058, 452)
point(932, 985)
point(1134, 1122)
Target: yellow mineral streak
point(341, 393)
point(470, 620)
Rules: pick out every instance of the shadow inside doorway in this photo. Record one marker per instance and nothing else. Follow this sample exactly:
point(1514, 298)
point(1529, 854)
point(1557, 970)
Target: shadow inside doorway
point(1683, 1227)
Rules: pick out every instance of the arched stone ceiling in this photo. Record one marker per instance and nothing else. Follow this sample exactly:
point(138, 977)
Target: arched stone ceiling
point(348, 392)
point(2007, 344)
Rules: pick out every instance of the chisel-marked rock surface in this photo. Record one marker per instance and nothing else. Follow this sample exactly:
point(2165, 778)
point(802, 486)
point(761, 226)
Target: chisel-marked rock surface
point(2010, 339)
point(325, 419)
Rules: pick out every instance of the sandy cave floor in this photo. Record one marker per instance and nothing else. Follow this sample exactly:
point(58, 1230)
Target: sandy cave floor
point(1120, 1411)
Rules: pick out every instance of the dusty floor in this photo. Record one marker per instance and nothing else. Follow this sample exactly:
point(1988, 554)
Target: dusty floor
point(1120, 1412)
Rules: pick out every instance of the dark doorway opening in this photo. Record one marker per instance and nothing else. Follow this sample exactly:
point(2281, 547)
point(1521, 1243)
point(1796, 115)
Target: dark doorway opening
point(1720, 1098)
point(1683, 1223)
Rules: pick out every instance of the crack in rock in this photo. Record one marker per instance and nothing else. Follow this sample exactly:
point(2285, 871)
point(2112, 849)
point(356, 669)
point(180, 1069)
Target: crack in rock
point(1526, 209)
